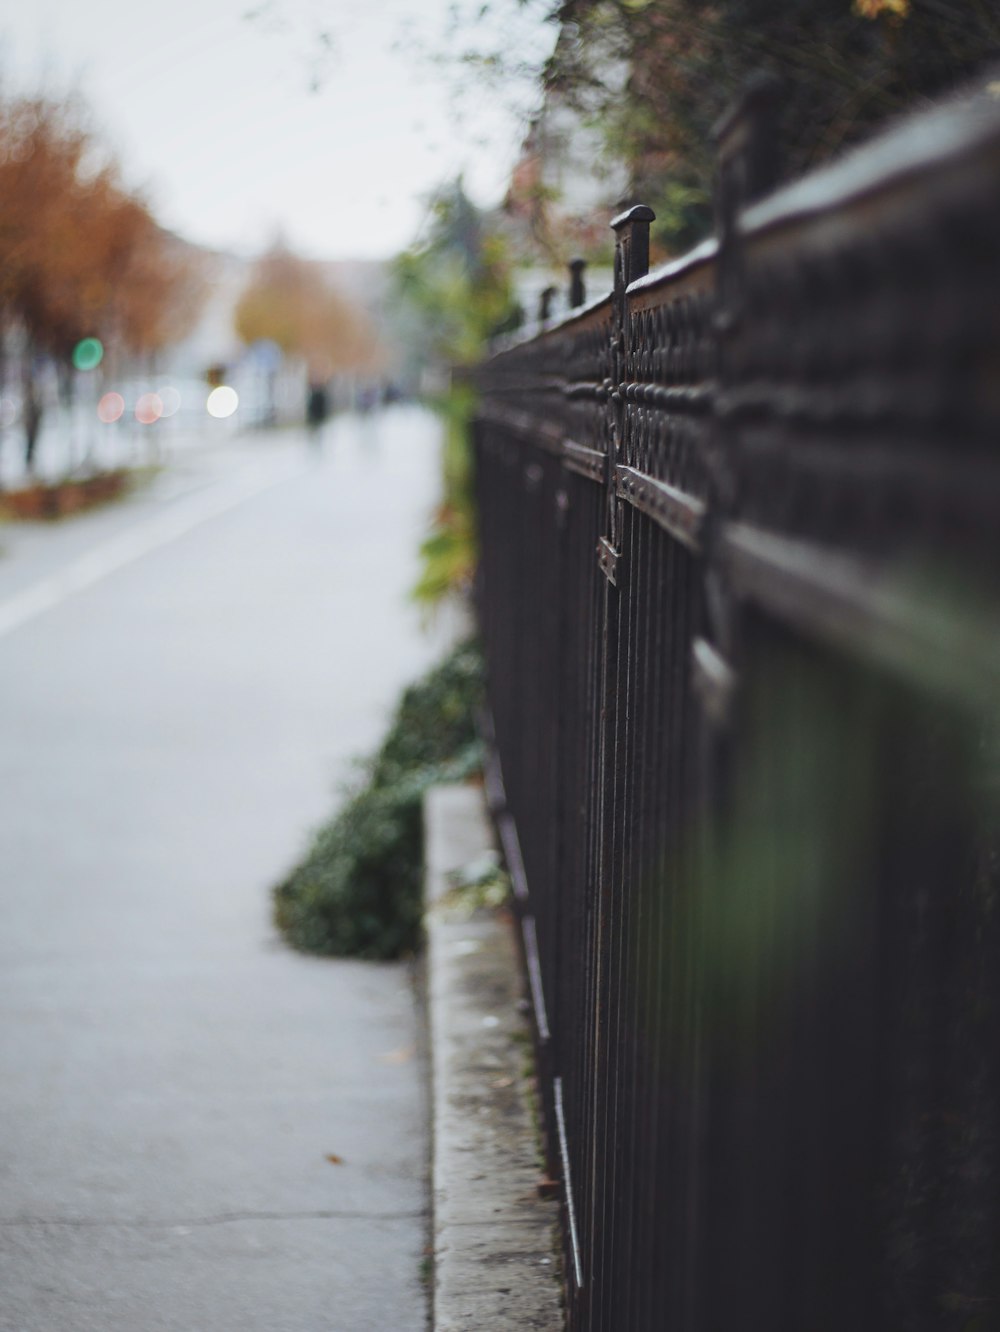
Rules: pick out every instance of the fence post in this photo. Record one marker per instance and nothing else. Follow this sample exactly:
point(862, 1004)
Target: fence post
point(747, 144)
point(577, 289)
point(747, 169)
point(631, 230)
point(631, 261)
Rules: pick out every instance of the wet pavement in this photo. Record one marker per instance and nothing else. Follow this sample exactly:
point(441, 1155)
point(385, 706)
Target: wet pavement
point(184, 678)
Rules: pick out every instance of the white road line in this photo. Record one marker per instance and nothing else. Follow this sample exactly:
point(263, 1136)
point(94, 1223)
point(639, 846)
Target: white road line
point(131, 545)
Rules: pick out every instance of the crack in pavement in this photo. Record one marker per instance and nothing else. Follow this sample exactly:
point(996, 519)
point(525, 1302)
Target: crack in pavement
point(223, 1219)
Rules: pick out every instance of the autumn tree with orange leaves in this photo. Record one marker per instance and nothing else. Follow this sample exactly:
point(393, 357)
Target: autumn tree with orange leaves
point(287, 301)
point(80, 256)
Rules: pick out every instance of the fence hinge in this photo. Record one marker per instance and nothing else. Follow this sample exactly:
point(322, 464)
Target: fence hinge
point(607, 558)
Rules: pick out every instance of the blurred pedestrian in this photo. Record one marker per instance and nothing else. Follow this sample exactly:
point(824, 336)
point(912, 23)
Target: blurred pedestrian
point(317, 407)
point(32, 421)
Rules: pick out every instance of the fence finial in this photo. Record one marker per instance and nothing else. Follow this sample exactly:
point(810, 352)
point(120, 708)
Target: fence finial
point(632, 231)
point(577, 289)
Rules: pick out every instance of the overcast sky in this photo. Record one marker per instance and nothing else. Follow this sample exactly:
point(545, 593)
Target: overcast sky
point(323, 118)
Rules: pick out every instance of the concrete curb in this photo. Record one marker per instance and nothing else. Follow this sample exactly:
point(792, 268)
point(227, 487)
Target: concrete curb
point(495, 1239)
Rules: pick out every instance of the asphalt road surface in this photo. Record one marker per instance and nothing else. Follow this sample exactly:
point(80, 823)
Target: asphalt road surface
point(184, 678)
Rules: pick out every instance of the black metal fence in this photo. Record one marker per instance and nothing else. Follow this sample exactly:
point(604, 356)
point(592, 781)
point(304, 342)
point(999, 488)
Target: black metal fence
point(739, 591)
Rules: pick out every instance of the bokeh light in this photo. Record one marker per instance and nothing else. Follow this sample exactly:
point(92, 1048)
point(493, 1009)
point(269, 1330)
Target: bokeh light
point(222, 402)
point(149, 408)
point(88, 354)
point(111, 407)
point(171, 400)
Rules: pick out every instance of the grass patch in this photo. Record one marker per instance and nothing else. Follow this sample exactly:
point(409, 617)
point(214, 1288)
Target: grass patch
point(358, 892)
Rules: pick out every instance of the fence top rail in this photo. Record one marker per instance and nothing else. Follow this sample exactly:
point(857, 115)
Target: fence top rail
point(954, 135)
point(673, 270)
point(595, 306)
point(945, 136)
point(587, 313)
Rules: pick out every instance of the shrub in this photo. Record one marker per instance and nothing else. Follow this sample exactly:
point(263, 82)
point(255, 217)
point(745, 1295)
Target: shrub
point(358, 891)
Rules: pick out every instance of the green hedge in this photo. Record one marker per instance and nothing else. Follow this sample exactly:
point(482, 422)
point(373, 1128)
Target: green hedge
point(358, 890)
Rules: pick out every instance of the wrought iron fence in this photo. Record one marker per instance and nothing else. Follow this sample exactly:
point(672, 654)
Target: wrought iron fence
point(739, 590)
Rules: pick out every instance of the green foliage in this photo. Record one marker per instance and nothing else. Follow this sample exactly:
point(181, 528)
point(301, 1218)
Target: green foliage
point(843, 69)
point(434, 725)
point(447, 558)
point(481, 885)
point(655, 75)
point(457, 408)
point(448, 554)
point(457, 283)
point(457, 279)
point(683, 215)
point(357, 892)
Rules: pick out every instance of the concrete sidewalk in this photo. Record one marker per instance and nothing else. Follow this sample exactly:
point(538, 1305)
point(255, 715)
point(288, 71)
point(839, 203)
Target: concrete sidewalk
point(203, 1132)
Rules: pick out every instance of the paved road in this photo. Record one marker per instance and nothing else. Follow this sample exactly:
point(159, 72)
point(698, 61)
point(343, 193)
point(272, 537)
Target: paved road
point(182, 680)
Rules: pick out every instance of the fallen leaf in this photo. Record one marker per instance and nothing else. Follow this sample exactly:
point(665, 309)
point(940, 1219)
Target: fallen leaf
point(399, 1056)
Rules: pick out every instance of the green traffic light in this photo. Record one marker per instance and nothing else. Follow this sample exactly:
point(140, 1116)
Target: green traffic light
point(88, 354)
